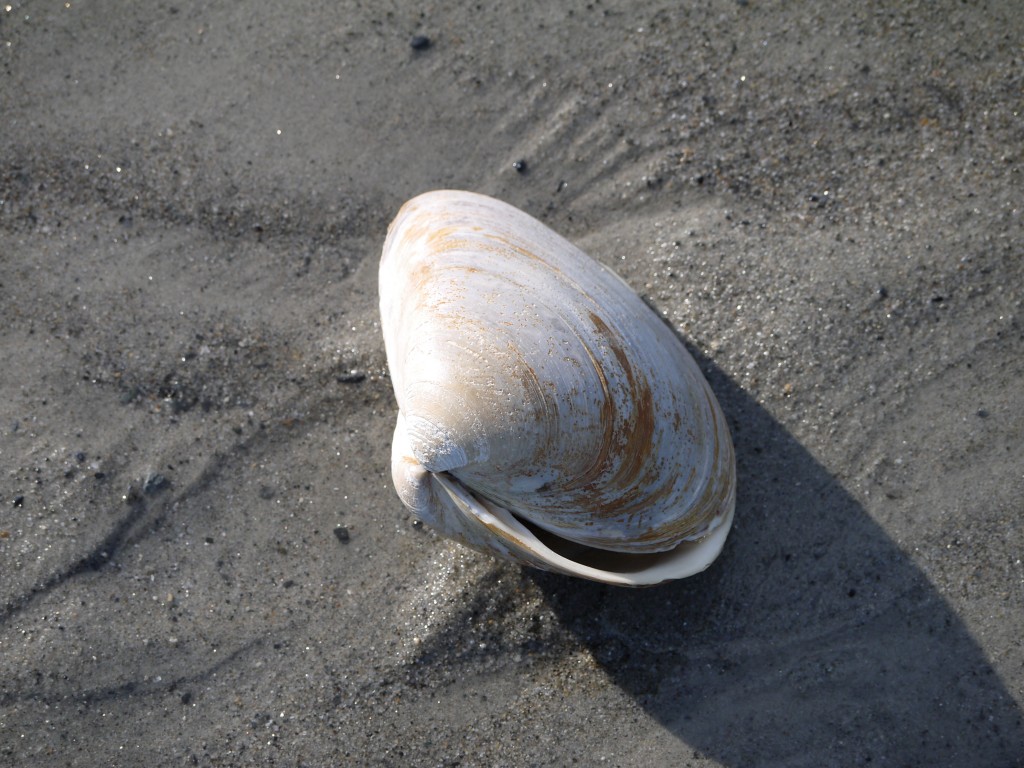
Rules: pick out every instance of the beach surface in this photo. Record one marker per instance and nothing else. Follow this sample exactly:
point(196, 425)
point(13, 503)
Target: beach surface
point(202, 558)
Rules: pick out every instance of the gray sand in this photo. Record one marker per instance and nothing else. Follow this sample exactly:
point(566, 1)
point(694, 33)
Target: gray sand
point(202, 559)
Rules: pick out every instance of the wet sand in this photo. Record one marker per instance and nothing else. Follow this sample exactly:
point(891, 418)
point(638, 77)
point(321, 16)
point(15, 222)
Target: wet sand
point(202, 559)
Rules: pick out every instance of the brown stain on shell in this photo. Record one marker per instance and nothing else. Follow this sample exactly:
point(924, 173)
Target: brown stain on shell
point(632, 481)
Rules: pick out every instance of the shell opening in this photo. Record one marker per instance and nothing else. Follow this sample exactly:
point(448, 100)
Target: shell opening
point(524, 541)
point(633, 565)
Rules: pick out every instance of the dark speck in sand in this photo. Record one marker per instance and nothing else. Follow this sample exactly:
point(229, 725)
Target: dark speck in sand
point(419, 42)
point(342, 534)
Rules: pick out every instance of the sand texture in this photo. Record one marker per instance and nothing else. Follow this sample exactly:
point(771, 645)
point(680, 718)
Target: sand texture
point(202, 559)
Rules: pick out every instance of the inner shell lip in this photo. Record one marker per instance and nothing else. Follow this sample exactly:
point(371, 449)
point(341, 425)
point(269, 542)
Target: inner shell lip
point(547, 550)
point(601, 559)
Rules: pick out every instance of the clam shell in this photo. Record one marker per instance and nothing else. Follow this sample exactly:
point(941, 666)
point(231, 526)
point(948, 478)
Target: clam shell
point(546, 413)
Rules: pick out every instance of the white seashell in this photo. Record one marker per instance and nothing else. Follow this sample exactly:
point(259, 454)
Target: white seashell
point(546, 414)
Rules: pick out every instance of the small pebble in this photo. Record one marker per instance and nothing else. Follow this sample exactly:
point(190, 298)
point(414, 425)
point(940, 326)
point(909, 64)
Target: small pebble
point(20, 500)
point(155, 483)
point(420, 42)
point(342, 534)
point(520, 166)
